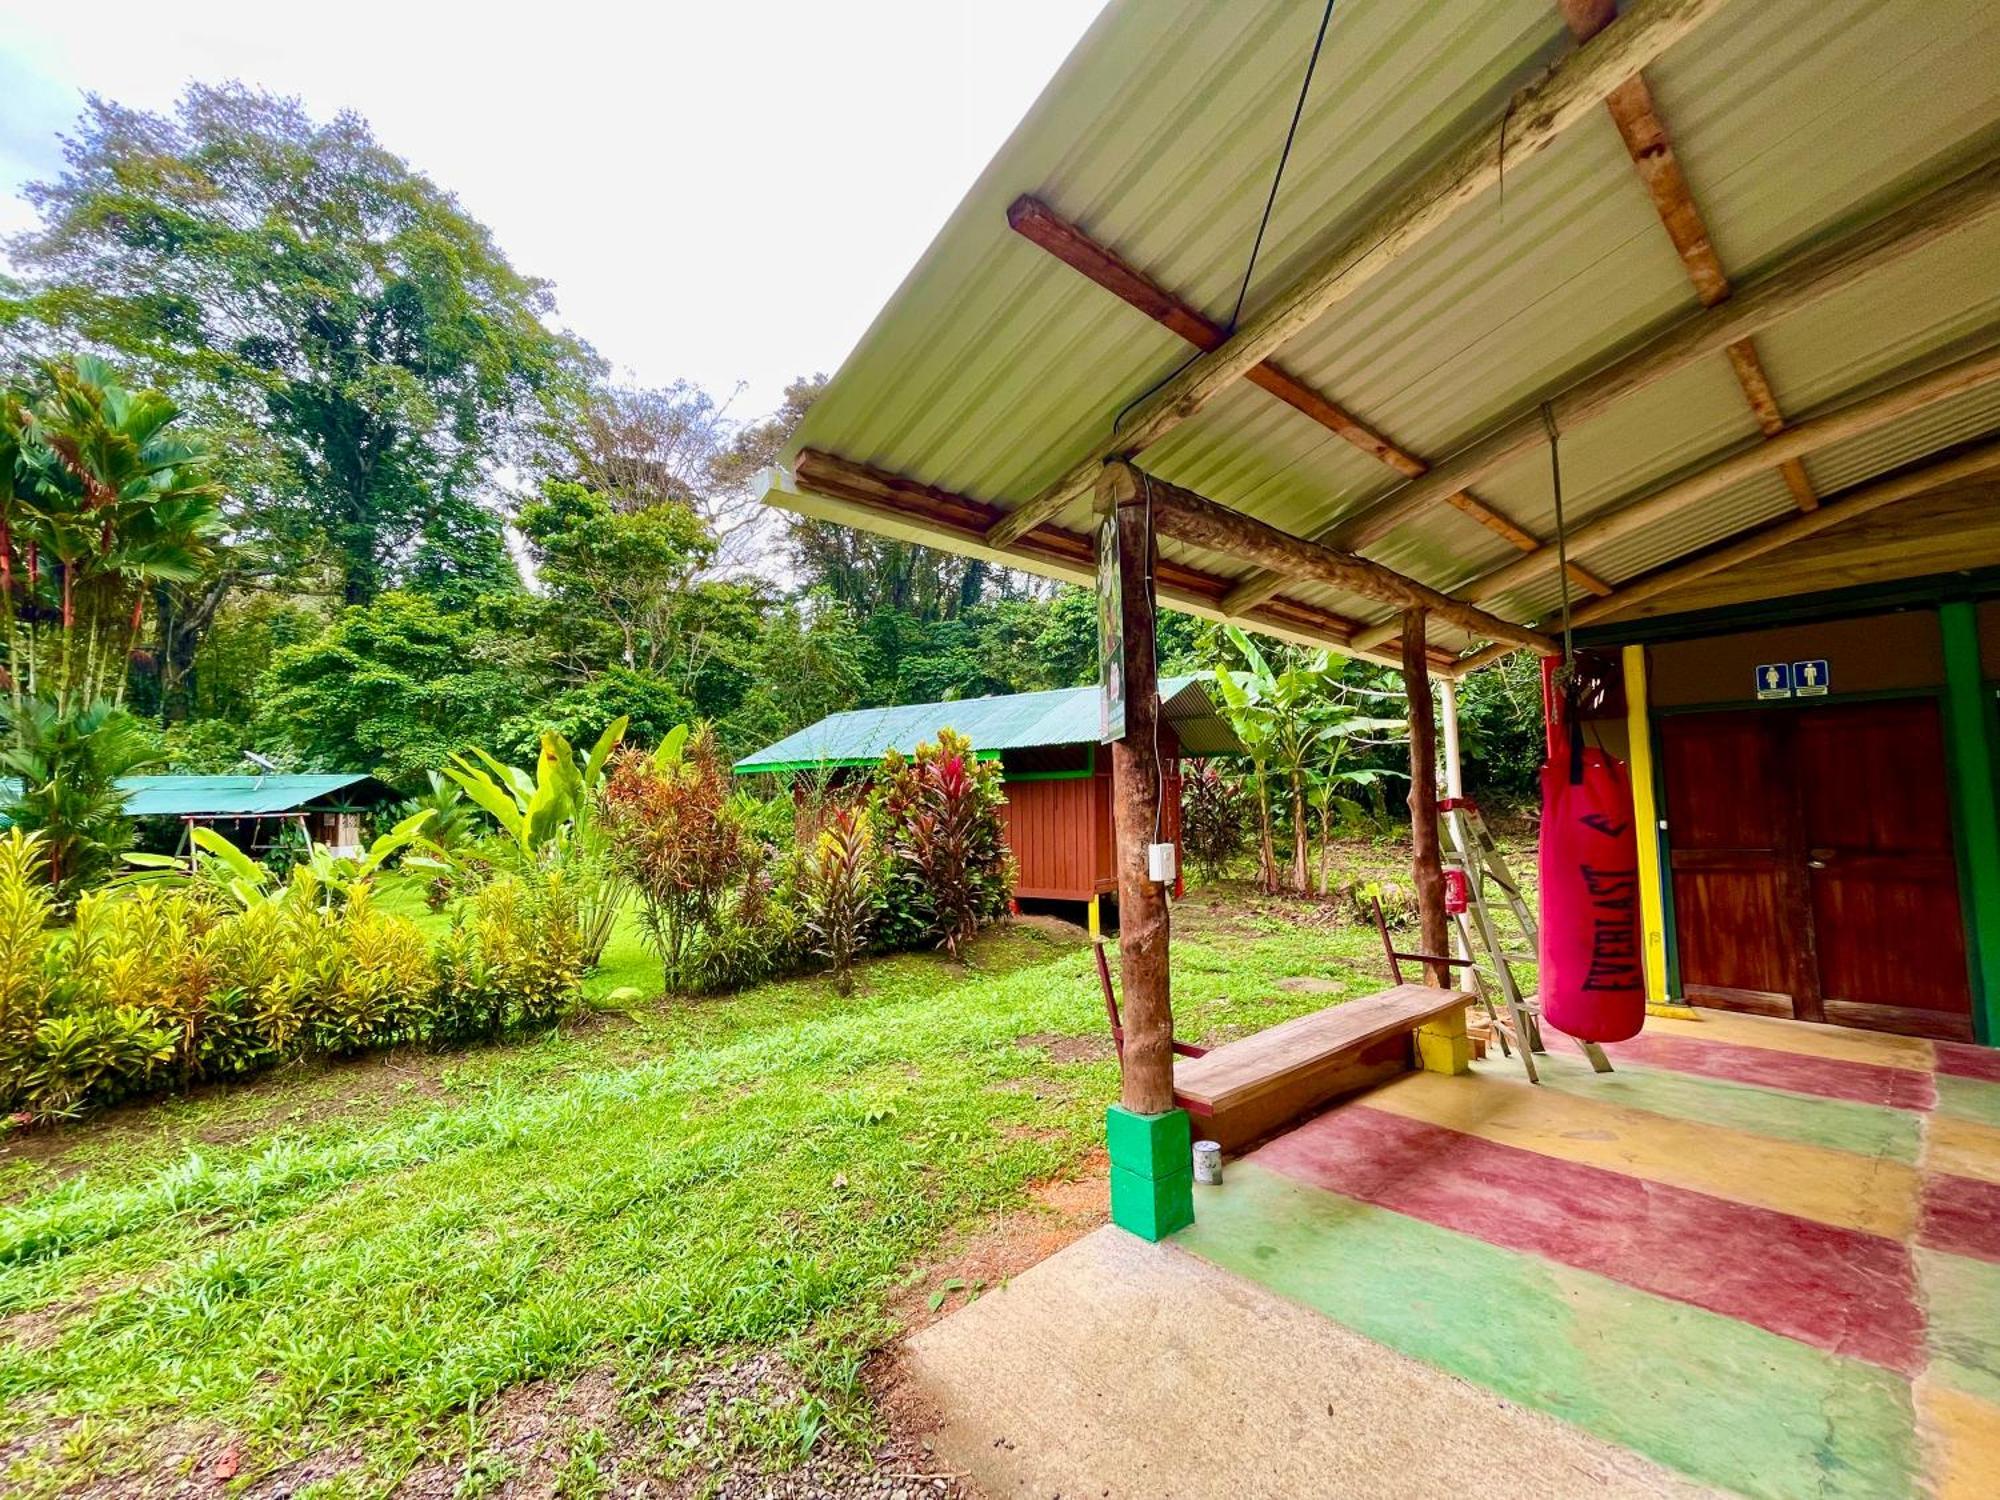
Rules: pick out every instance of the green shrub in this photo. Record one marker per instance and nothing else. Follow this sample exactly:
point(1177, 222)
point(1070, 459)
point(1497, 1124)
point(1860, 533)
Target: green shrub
point(171, 981)
point(676, 840)
point(838, 880)
point(1214, 819)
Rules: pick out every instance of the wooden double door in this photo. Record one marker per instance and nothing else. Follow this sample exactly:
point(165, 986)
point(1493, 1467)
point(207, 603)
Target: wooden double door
point(1811, 855)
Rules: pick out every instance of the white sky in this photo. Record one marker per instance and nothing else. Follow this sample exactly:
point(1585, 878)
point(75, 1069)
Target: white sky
point(720, 191)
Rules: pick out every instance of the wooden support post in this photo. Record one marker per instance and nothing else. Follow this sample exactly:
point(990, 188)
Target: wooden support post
point(1152, 1171)
point(1442, 1045)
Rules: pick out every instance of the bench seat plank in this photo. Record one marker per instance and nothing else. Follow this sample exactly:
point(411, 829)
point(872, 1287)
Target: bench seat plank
point(1248, 1087)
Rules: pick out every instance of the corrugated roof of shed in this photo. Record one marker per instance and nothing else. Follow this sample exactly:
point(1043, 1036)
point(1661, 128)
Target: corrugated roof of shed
point(1012, 721)
point(239, 796)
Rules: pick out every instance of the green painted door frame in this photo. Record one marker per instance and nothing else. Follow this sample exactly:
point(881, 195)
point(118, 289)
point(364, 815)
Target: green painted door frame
point(1970, 736)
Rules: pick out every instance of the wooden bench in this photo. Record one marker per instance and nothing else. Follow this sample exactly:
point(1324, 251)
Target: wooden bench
point(1248, 1088)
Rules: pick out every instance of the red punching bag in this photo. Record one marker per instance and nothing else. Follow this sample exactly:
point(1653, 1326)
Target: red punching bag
point(1592, 973)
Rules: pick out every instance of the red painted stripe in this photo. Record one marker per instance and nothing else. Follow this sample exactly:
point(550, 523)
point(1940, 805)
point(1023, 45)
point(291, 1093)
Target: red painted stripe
point(1837, 1289)
point(1794, 1072)
point(1962, 1215)
point(1962, 1060)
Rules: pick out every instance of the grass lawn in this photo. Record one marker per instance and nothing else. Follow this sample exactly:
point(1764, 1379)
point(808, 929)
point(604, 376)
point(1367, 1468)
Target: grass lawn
point(661, 1244)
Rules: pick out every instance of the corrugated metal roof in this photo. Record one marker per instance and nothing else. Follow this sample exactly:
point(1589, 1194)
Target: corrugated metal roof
point(1012, 721)
point(240, 796)
point(236, 796)
point(995, 367)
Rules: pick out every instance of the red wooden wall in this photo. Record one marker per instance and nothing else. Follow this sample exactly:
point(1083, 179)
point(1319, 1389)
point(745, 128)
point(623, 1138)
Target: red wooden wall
point(1060, 830)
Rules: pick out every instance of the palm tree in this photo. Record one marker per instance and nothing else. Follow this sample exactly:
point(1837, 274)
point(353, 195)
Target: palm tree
point(98, 485)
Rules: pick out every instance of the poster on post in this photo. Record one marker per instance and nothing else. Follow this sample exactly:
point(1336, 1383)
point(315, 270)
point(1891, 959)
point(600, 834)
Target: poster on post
point(1110, 631)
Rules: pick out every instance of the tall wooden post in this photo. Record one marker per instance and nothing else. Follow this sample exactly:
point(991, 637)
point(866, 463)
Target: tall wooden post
point(1442, 1046)
point(1151, 1167)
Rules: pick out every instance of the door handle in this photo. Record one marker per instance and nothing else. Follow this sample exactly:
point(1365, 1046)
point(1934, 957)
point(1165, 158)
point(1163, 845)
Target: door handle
point(1816, 864)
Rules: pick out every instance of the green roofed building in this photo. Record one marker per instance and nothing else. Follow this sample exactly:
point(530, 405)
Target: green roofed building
point(253, 811)
point(1058, 785)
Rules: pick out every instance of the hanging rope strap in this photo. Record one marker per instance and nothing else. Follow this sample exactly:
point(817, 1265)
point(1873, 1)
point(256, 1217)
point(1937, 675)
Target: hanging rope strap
point(1567, 685)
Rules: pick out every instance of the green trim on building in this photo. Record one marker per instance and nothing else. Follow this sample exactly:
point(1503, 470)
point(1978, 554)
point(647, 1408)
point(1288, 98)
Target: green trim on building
point(1970, 761)
point(1926, 593)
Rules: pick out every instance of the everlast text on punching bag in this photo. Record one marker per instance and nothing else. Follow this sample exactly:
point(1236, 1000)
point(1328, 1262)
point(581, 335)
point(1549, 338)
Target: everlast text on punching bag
point(1592, 974)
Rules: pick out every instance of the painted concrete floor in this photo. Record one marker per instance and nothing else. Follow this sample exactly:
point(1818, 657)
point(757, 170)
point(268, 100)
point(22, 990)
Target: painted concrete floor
point(1761, 1256)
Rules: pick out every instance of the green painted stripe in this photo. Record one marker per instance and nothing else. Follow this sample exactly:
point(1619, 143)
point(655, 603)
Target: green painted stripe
point(1969, 766)
point(1718, 1399)
point(1962, 1297)
point(1840, 1124)
point(1968, 1098)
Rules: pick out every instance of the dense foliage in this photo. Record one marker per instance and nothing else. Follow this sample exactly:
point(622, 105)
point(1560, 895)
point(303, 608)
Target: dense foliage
point(163, 985)
point(948, 867)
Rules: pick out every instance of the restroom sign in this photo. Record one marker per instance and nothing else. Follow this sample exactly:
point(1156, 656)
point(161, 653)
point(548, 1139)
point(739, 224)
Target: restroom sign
point(1811, 679)
point(1774, 679)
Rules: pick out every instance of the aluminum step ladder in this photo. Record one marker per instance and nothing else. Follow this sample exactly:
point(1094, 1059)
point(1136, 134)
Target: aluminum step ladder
point(1476, 859)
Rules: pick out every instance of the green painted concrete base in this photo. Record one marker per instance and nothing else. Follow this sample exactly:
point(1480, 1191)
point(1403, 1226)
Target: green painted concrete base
point(1152, 1171)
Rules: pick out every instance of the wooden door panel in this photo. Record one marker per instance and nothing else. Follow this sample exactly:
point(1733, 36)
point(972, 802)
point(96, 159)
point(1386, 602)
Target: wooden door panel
point(1736, 958)
point(1883, 880)
point(1730, 836)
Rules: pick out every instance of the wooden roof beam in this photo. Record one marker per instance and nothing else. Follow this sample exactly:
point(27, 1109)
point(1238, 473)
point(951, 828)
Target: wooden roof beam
point(1778, 294)
point(1533, 119)
point(956, 516)
point(1911, 484)
point(1618, 521)
point(1652, 151)
point(1041, 225)
point(1192, 518)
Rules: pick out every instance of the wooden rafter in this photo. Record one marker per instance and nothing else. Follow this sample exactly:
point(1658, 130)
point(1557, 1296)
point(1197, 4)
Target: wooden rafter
point(1041, 225)
point(1622, 519)
point(1652, 151)
point(1536, 117)
point(1837, 510)
point(1869, 414)
point(895, 497)
point(1797, 284)
point(1198, 520)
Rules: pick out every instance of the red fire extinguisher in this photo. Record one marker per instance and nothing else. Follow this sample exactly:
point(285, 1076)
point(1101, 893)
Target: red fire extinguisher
point(1457, 891)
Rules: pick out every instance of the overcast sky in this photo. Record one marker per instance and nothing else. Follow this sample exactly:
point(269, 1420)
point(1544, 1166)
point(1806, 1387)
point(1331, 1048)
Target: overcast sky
point(722, 192)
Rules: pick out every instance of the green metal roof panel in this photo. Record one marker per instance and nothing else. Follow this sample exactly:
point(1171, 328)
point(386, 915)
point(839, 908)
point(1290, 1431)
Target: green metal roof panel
point(239, 796)
point(1015, 721)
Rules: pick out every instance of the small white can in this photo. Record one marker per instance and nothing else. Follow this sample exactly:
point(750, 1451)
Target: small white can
point(1208, 1163)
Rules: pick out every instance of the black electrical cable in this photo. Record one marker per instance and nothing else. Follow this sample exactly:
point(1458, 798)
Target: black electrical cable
point(1263, 223)
point(1291, 134)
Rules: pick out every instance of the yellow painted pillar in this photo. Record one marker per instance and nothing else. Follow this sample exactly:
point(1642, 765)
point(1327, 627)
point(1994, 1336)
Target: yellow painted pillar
point(1096, 917)
point(1646, 821)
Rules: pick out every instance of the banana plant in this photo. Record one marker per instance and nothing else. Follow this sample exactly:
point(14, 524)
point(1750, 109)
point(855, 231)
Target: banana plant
point(535, 810)
point(219, 864)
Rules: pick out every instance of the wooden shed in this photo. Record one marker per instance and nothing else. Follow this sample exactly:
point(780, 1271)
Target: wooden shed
point(1058, 783)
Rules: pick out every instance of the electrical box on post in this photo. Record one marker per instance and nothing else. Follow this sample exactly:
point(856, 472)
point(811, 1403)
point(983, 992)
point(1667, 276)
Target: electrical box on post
point(1160, 863)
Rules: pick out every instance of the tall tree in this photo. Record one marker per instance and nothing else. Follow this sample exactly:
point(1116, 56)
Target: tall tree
point(368, 350)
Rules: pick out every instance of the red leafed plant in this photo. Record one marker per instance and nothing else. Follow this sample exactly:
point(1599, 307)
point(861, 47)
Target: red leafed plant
point(675, 837)
point(939, 818)
point(838, 879)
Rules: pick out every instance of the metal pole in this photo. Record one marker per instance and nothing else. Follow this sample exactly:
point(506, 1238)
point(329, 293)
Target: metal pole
point(1454, 780)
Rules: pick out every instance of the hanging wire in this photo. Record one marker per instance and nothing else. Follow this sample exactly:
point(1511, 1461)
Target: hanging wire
point(1263, 223)
point(1562, 533)
point(1153, 617)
